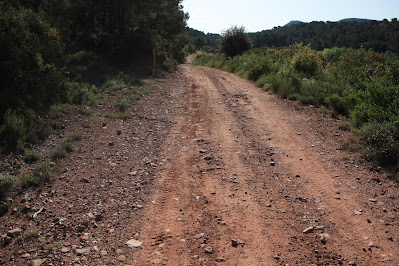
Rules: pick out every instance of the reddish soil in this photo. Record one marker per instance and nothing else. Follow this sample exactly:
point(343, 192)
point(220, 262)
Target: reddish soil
point(209, 171)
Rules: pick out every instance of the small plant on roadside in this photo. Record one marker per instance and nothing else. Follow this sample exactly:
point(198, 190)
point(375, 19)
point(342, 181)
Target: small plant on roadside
point(48, 246)
point(31, 156)
point(6, 185)
point(74, 136)
point(59, 154)
point(122, 105)
point(28, 181)
point(67, 145)
point(383, 143)
point(31, 234)
point(46, 171)
point(85, 110)
point(4, 207)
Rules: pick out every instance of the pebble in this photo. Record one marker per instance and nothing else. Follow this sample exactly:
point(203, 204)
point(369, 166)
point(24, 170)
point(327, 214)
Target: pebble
point(209, 250)
point(81, 251)
point(104, 253)
point(235, 242)
point(65, 250)
point(119, 251)
point(373, 200)
point(85, 237)
point(220, 259)
point(133, 243)
point(308, 230)
point(38, 262)
point(121, 258)
point(358, 212)
point(208, 157)
point(14, 232)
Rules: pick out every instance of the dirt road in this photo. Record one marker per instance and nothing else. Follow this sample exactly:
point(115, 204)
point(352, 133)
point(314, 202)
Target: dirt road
point(209, 170)
point(249, 179)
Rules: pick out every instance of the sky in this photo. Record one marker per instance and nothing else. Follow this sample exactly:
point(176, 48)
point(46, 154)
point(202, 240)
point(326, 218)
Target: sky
point(215, 16)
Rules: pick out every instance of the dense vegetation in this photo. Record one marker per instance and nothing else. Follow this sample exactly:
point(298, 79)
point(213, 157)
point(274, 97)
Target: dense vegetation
point(200, 40)
point(360, 84)
point(378, 35)
point(48, 48)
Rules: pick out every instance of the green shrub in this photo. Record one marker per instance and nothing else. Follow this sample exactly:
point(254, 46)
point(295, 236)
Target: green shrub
point(235, 41)
point(4, 207)
point(31, 156)
point(45, 172)
point(74, 136)
point(122, 105)
point(262, 81)
point(68, 146)
point(58, 154)
point(377, 103)
point(27, 181)
point(6, 185)
point(13, 131)
point(118, 83)
point(76, 92)
point(383, 142)
point(306, 61)
point(338, 104)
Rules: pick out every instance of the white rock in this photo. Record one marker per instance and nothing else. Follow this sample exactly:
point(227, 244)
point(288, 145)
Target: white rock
point(133, 243)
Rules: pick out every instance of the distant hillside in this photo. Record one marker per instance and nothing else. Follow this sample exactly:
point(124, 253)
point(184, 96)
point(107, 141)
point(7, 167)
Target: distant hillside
point(378, 35)
point(292, 22)
point(199, 39)
point(359, 20)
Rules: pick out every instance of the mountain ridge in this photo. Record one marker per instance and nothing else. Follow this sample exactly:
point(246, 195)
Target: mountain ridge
point(359, 20)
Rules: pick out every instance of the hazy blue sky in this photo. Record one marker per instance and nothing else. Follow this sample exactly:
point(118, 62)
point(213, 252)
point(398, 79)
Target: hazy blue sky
point(217, 15)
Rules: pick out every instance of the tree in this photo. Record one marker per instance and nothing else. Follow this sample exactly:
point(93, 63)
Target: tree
point(235, 41)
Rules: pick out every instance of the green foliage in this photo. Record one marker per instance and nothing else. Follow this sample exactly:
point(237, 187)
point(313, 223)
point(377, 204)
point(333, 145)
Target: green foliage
point(68, 146)
point(235, 41)
point(28, 181)
point(4, 207)
point(31, 234)
point(32, 60)
point(59, 154)
point(338, 104)
point(122, 105)
point(383, 140)
point(306, 61)
point(49, 48)
point(13, 131)
point(333, 54)
point(6, 185)
point(31, 156)
point(45, 172)
point(117, 84)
